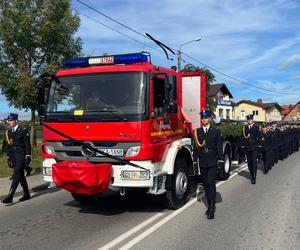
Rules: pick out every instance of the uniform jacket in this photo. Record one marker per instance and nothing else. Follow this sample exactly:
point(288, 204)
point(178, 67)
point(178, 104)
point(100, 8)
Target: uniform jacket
point(252, 137)
point(18, 141)
point(266, 141)
point(212, 149)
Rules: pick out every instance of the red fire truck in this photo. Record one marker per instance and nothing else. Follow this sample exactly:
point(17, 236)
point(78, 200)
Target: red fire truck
point(119, 122)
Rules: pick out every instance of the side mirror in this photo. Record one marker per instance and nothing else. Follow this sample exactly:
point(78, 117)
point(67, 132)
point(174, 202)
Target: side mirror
point(40, 95)
point(42, 111)
point(41, 101)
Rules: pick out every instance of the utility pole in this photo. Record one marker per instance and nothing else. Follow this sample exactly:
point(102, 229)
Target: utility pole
point(179, 51)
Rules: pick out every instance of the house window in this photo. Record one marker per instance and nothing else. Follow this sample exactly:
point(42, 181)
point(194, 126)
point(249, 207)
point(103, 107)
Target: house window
point(227, 114)
point(221, 113)
point(255, 112)
point(243, 114)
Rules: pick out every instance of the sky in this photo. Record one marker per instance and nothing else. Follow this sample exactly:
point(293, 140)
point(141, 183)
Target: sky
point(251, 46)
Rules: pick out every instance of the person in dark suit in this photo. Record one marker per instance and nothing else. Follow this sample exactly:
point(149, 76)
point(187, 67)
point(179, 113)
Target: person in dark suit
point(266, 142)
point(251, 135)
point(208, 150)
point(19, 156)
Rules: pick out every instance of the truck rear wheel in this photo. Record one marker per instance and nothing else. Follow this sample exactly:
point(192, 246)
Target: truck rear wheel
point(176, 197)
point(86, 198)
point(224, 172)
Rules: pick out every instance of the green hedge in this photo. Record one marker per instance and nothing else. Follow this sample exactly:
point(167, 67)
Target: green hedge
point(230, 131)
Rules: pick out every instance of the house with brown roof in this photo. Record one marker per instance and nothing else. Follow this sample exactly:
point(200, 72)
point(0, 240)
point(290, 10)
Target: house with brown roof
point(263, 112)
point(293, 113)
point(222, 97)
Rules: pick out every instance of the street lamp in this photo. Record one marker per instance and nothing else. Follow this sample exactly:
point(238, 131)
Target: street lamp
point(179, 51)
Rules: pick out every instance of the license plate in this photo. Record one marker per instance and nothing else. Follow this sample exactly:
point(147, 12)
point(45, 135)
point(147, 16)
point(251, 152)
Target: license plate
point(111, 151)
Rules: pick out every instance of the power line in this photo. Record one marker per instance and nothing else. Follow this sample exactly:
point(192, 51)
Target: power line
point(121, 33)
point(112, 19)
point(139, 33)
point(234, 78)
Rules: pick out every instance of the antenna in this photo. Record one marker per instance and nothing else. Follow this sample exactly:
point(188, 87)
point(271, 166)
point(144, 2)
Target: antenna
point(163, 46)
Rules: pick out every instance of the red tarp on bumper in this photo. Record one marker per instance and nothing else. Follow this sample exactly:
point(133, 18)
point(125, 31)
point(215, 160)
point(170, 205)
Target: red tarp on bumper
point(82, 177)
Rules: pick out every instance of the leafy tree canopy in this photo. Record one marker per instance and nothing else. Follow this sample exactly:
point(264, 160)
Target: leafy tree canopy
point(35, 36)
point(210, 78)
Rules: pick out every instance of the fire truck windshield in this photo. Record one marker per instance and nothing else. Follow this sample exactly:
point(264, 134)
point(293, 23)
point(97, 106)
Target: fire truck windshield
point(105, 96)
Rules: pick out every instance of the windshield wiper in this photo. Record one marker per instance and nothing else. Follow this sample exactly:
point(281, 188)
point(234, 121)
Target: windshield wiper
point(116, 113)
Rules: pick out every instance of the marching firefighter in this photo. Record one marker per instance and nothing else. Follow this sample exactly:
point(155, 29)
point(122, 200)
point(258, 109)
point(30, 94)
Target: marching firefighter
point(19, 156)
point(251, 135)
point(208, 150)
point(266, 148)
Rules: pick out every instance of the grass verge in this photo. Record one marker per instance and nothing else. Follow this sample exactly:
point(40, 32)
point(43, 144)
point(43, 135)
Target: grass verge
point(36, 163)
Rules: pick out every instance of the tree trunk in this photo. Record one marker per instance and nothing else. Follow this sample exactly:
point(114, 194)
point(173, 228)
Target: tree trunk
point(32, 129)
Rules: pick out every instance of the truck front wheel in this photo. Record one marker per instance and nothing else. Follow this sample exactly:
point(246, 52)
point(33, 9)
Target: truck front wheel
point(176, 197)
point(224, 171)
point(86, 198)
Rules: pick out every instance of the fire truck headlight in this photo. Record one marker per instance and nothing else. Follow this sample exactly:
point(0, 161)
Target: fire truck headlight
point(133, 151)
point(47, 171)
point(49, 150)
point(135, 175)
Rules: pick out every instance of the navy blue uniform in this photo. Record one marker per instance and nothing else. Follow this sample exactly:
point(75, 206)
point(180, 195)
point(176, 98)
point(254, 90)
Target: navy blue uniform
point(18, 149)
point(208, 149)
point(252, 137)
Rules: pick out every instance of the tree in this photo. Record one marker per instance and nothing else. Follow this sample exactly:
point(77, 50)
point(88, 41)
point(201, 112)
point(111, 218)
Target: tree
point(210, 77)
point(35, 36)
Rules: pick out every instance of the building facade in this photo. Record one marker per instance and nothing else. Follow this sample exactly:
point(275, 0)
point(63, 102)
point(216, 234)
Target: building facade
point(222, 97)
point(262, 112)
point(293, 114)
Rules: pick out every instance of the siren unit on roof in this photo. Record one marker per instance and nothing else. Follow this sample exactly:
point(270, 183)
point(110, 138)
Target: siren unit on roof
point(106, 60)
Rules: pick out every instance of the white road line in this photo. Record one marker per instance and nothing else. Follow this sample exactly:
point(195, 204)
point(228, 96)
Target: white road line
point(171, 216)
point(130, 232)
point(135, 229)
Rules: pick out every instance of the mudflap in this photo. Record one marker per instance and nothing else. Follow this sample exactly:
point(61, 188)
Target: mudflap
point(82, 177)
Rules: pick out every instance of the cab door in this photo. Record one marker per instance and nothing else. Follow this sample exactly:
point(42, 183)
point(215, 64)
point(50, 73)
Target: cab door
point(166, 123)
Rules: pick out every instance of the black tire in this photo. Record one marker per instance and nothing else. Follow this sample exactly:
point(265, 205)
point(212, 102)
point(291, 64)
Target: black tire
point(224, 171)
point(176, 197)
point(85, 198)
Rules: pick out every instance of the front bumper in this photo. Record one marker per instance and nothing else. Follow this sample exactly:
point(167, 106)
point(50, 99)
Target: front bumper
point(118, 175)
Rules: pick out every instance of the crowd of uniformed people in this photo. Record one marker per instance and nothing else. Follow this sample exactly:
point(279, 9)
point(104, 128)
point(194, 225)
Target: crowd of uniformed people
point(265, 143)
point(277, 142)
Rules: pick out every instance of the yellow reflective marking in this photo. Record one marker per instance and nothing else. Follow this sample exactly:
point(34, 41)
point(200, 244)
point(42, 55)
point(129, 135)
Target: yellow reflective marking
point(78, 112)
point(167, 132)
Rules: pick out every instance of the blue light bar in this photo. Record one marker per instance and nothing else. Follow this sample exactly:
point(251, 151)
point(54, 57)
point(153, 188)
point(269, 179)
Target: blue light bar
point(131, 58)
point(106, 60)
point(77, 62)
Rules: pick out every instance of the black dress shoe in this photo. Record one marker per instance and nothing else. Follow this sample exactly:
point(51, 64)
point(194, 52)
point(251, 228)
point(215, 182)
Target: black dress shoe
point(8, 199)
point(28, 170)
point(25, 197)
point(253, 181)
point(211, 214)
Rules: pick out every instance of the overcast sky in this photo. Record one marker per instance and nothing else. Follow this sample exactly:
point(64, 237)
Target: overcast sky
point(256, 42)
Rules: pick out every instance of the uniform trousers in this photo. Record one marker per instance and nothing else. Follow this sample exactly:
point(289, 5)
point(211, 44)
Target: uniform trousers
point(18, 160)
point(209, 182)
point(252, 162)
point(267, 159)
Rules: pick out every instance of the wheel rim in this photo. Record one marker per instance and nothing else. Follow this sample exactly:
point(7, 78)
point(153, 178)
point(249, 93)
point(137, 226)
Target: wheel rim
point(227, 164)
point(181, 183)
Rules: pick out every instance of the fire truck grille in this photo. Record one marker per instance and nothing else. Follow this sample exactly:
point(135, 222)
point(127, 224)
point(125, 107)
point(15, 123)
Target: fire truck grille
point(68, 151)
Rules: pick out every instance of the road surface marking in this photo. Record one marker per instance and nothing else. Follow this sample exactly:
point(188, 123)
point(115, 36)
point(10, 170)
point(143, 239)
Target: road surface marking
point(130, 232)
point(171, 216)
point(150, 230)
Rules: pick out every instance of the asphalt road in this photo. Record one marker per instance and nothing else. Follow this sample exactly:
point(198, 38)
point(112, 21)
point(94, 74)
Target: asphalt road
point(261, 216)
